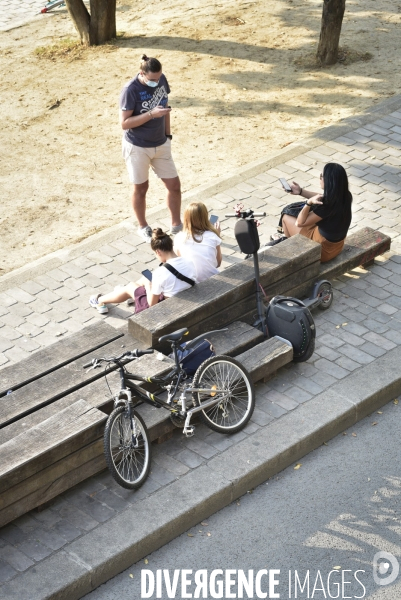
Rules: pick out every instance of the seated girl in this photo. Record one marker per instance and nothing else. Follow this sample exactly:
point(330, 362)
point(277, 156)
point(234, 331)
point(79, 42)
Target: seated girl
point(164, 284)
point(199, 241)
point(326, 217)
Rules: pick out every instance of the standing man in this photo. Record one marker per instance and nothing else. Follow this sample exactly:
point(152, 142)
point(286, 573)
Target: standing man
point(145, 119)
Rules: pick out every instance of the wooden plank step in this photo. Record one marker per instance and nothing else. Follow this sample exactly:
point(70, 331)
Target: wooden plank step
point(62, 352)
point(51, 482)
point(262, 361)
point(46, 443)
point(59, 382)
point(222, 292)
point(266, 358)
point(361, 248)
point(95, 393)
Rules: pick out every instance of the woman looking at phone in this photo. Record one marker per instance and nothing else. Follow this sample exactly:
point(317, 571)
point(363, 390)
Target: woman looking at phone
point(167, 281)
point(199, 241)
point(326, 217)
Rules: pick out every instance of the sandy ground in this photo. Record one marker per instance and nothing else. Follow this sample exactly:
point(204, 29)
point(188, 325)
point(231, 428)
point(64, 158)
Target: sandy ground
point(241, 87)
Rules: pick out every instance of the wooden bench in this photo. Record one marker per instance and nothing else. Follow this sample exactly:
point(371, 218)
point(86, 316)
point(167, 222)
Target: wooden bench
point(51, 425)
point(228, 296)
point(289, 268)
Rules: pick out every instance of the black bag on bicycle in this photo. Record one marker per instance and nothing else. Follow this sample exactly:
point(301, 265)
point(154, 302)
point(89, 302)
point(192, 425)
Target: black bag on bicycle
point(193, 357)
point(292, 209)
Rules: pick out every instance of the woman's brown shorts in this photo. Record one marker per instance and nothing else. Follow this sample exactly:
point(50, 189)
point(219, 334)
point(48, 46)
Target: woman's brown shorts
point(329, 249)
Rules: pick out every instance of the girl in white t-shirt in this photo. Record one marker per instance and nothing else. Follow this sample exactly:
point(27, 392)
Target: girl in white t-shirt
point(199, 241)
point(164, 284)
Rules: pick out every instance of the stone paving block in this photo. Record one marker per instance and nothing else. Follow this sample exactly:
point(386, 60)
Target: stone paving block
point(347, 363)
point(110, 250)
point(47, 282)
point(73, 270)
point(92, 281)
point(67, 530)
point(48, 296)
point(330, 368)
point(6, 572)
point(27, 344)
point(20, 310)
point(47, 517)
point(48, 538)
point(123, 246)
point(98, 271)
point(84, 262)
point(9, 333)
point(99, 258)
point(16, 559)
point(200, 447)
point(32, 287)
point(11, 320)
point(40, 307)
point(58, 275)
point(274, 410)
point(379, 340)
point(128, 260)
point(16, 353)
point(189, 458)
point(387, 309)
point(281, 400)
point(297, 394)
point(20, 295)
point(325, 352)
point(372, 349)
point(110, 499)
point(170, 464)
point(261, 417)
point(66, 292)
point(36, 550)
point(356, 354)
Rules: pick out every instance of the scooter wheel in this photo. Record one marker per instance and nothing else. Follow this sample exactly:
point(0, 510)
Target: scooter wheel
point(325, 291)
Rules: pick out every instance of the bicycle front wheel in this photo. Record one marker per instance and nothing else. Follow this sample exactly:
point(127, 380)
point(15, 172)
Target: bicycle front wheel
point(127, 448)
point(235, 394)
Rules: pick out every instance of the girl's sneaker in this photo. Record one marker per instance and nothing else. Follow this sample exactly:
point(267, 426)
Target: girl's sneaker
point(94, 303)
point(277, 236)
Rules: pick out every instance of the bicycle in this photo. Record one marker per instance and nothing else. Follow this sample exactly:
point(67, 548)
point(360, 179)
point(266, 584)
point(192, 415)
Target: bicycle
point(222, 392)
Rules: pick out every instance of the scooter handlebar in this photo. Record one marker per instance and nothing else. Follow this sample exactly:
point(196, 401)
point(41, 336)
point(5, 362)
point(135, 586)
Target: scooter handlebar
point(255, 214)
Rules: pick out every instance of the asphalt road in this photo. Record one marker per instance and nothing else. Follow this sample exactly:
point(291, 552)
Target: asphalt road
point(319, 525)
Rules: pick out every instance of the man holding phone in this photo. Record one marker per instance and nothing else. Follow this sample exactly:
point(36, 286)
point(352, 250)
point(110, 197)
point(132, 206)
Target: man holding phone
point(145, 120)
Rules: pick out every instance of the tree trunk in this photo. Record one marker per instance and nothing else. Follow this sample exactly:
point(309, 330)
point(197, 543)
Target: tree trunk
point(81, 19)
point(103, 21)
point(97, 27)
point(332, 18)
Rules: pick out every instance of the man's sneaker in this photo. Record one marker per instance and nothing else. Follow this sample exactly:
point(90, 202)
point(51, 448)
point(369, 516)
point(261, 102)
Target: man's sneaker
point(176, 229)
point(145, 233)
point(94, 303)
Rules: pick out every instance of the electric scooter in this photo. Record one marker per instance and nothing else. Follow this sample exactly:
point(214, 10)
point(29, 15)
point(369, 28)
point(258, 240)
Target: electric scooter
point(286, 317)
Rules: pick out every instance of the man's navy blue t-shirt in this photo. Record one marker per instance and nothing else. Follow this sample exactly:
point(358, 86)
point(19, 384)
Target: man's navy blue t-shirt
point(141, 98)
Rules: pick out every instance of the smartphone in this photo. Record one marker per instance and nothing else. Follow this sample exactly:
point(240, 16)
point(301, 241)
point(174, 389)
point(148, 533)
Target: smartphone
point(285, 184)
point(148, 274)
point(213, 219)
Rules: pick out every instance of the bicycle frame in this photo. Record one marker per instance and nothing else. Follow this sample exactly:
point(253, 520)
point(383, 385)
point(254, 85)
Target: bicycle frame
point(127, 387)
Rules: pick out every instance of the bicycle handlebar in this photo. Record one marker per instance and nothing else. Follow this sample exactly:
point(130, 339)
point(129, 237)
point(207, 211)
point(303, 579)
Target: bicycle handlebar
point(130, 354)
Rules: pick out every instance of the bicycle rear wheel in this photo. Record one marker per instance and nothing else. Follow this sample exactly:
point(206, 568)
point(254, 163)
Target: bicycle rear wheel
point(127, 450)
point(235, 398)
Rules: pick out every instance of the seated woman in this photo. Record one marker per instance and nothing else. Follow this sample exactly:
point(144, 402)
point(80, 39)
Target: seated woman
point(164, 283)
point(199, 241)
point(326, 217)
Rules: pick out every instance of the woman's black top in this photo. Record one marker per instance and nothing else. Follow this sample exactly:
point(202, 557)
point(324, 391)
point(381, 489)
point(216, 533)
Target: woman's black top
point(334, 225)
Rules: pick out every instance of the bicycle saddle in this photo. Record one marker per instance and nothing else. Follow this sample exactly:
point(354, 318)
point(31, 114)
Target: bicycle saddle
point(174, 337)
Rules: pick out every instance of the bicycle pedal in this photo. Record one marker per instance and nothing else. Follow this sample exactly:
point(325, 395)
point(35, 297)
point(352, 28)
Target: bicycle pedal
point(189, 431)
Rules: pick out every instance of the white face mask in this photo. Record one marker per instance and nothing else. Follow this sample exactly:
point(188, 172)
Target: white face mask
point(152, 84)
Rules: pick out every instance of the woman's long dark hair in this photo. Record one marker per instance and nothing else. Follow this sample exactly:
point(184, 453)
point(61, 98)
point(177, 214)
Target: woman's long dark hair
point(336, 192)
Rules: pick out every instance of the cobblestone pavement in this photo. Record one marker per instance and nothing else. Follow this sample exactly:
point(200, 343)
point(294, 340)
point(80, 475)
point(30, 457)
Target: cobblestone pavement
point(363, 323)
point(14, 13)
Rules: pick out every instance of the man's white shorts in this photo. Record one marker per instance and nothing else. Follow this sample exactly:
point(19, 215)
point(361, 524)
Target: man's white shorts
point(138, 161)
